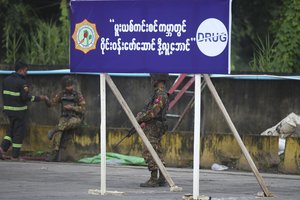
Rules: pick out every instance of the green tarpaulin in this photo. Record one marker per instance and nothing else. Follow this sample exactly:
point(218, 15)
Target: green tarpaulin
point(115, 158)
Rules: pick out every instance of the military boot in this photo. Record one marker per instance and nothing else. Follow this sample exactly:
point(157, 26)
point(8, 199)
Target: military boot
point(152, 182)
point(52, 157)
point(51, 133)
point(161, 180)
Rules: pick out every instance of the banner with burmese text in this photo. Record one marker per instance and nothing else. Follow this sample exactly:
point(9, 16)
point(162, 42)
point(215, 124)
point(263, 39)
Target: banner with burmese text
point(150, 36)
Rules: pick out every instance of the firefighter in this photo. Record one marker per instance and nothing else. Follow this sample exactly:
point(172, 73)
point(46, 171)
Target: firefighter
point(72, 111)
point(153, 121)
point(15, 98)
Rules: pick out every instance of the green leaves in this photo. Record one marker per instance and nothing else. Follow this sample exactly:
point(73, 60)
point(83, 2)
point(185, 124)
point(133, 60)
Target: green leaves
point(18, 19)
point(283, 55)
point(34, 40)
point(287, 39)
point(263, 56)
point(44, 45)
point(249, 19)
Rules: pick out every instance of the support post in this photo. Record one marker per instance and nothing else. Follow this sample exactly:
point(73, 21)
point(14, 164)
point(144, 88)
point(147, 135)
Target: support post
point(141, 133)
point(197, 109)
point(103, 133)
point(102, 130)
point(237, 136)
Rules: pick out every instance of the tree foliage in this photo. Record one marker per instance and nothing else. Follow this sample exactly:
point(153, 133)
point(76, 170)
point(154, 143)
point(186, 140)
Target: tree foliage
point(251, 22)
point(287, 38)
point(33, 39)
point(17, 22)
point(263, 55)
point(267, 33)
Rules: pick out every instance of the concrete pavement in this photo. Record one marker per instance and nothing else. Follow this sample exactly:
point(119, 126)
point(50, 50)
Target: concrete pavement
point(31, 180)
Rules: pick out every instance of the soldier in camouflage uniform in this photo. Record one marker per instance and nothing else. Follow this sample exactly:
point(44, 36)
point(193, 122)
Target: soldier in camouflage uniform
point(72, 111)
point(152, 120)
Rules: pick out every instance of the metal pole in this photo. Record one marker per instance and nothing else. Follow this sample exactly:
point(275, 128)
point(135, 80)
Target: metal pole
point(237, 136)
point(103, 190)
point(103, 133)
point(197, 120)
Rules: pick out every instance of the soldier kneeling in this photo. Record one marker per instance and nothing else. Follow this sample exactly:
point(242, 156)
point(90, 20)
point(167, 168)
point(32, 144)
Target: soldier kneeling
point(72, 111)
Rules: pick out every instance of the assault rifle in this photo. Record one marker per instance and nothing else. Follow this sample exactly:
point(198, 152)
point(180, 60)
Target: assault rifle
point(129, 134)
point(132, 130)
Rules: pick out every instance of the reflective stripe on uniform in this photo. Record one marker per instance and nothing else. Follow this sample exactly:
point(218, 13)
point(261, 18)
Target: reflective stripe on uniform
point(7, 138)
point(16, 145)
point(15, 108)
point(11, 93)
point(32, 98)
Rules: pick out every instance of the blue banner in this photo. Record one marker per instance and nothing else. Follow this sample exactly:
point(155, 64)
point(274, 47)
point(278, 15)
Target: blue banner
point(150, 36)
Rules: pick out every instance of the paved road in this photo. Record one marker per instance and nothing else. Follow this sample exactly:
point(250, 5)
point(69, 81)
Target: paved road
point(71, 181)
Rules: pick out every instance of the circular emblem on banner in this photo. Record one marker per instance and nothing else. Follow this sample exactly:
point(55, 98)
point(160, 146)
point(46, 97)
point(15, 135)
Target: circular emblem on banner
point(85, 36)
point(212, 37)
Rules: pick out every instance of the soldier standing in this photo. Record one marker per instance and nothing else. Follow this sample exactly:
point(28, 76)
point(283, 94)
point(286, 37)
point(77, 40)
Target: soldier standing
point(15, 98)
point(72, 111)
point(152, 120)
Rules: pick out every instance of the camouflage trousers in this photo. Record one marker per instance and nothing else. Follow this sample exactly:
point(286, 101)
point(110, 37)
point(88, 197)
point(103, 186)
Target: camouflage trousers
point(65, 123)
point(154, 133)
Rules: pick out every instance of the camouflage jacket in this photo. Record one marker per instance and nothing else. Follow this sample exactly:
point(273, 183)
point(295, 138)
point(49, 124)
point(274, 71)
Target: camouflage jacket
point(74, 100)
point(156, 108)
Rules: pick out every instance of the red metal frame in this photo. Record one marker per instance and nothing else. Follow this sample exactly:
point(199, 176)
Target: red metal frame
point(177, 83)
point(182, 91)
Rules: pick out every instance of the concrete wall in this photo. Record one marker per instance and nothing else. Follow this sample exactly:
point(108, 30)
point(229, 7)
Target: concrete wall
point(291, 162)
point(177, 148)
point(254, 106)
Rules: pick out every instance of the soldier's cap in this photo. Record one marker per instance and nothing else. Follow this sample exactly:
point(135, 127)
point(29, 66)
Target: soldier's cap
point(67, 81)
point(159, 77)
point(20, 65)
